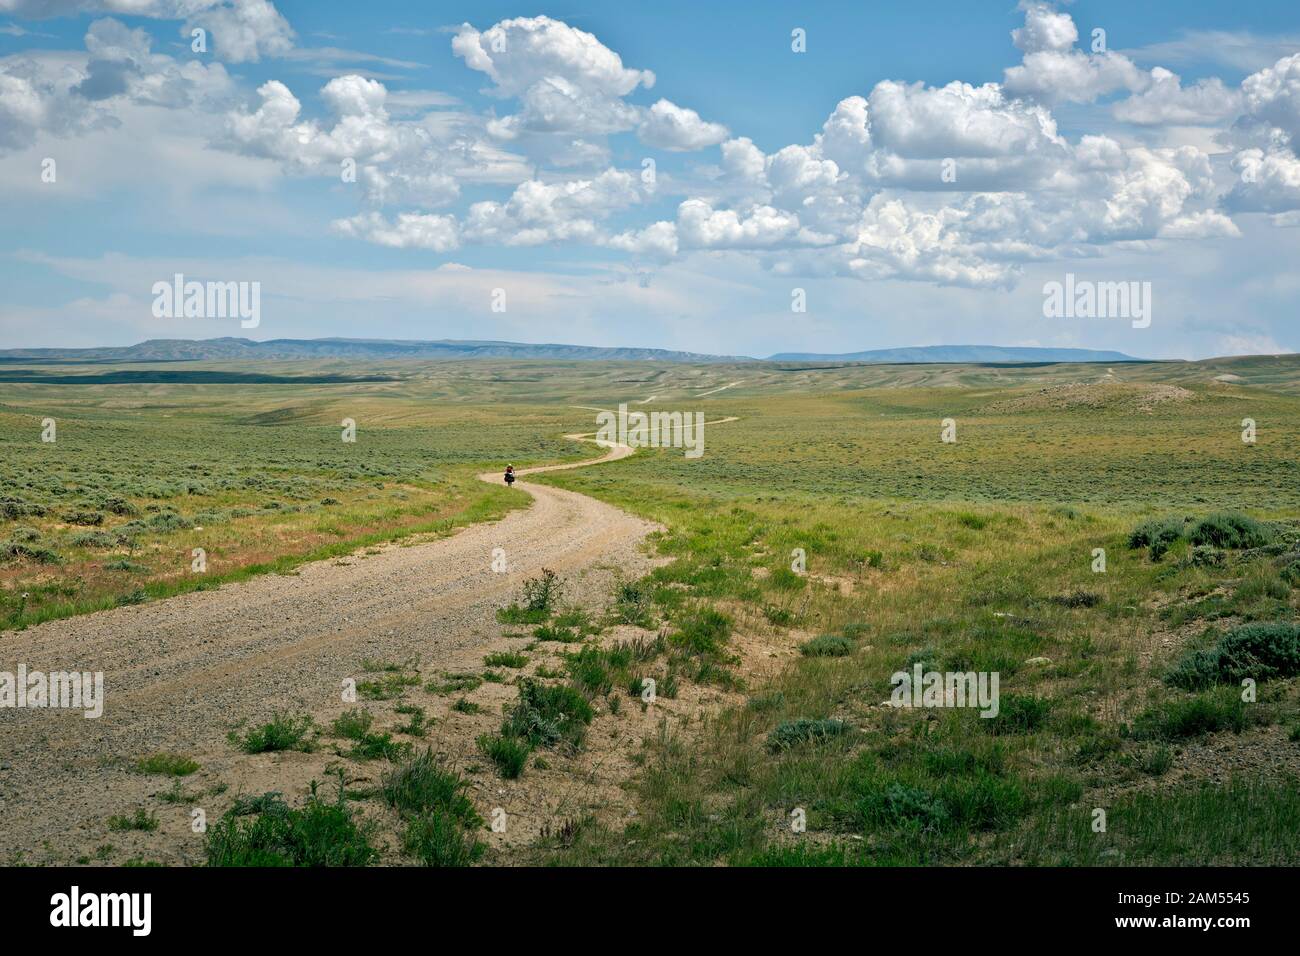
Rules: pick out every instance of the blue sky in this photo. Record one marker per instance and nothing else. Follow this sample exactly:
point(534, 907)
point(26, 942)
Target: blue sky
point(505, 148)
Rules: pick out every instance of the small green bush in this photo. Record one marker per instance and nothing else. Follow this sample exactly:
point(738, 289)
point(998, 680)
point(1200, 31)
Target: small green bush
point(1018, 714)
point(1230, 529)
point(1192, 717)
point(422, 783)
point(793, 733)
point(437, 838)
point(353, 724)
point(1156, 535)
point(827, 645)
point(172, 765)
point(548, 715)
point(1261, 651)
point(511, 659)
point(283, 732)
point(141, 820)
point(317, 834)
point(510, 754)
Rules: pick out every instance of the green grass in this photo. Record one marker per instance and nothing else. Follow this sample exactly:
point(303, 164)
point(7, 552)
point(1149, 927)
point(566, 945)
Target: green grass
point(417, 721)
point(388, 686)
point(1258, 651)
point(512, 659)
point(271, 833)
point(376, 746)
point(509, 754)
point(453, 683)
point(1002, 580)
point(827, 645)
point(974, 556)
point(142, 820)
point(440, 819)
point(548, 715)
point(794, 733)
point(1247, 821)
point(171, 765)
point(282, 732)
point(1184, 717)
point(353, 724)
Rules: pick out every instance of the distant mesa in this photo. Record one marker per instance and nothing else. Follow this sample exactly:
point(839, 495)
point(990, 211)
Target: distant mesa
point(280, 350)
point(963, 354)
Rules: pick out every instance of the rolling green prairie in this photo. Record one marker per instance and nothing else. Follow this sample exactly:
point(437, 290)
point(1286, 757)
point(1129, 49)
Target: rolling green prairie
point(259, 477)
point(978, 555)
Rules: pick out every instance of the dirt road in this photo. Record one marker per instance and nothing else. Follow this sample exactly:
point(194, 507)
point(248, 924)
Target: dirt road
point(180, 673)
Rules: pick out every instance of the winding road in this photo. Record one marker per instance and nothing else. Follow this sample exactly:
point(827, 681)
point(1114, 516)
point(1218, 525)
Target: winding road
point(179, 673)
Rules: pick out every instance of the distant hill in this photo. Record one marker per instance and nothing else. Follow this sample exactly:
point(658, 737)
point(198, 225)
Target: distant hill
point(279, 350)
point(233, 349)
point(958, 353)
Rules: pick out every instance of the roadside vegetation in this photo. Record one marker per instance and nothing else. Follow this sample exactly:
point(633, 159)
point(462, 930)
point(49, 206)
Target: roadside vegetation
point(1121, 689)
point(1113, 684)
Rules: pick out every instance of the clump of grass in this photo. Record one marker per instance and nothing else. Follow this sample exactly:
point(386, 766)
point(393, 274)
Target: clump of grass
point(1260, 651)
point(1077, 598)
point(172, 765)
point(142, 820)
point(464, 706)
point(353, 724)
point(440, 818)
point(436, 838)
point(1290, 571)
point(1157, 761)
point(422, 783)
point(699, 646)
point(510, 754)
point(775, 614)
point(783, 579)
point(506, 659)
point(319, 833)
point(1156, 535)
point(454, 683)
point(540, 595)
point(1197, 716)
point(553, 632)
point(702, 630)
point(1018, 714)
point(598, 670)
point(283, 732)
point(1261, 585)
point(1230, 529)
point(591, 669)
point(549, 715)
point(417, 721)
point(827, 645)
point(792, 733)
point(632, 604)
point(769, 701)
point(176, 794)
point(388, 686)
point(578, 620)
point(374, 746)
